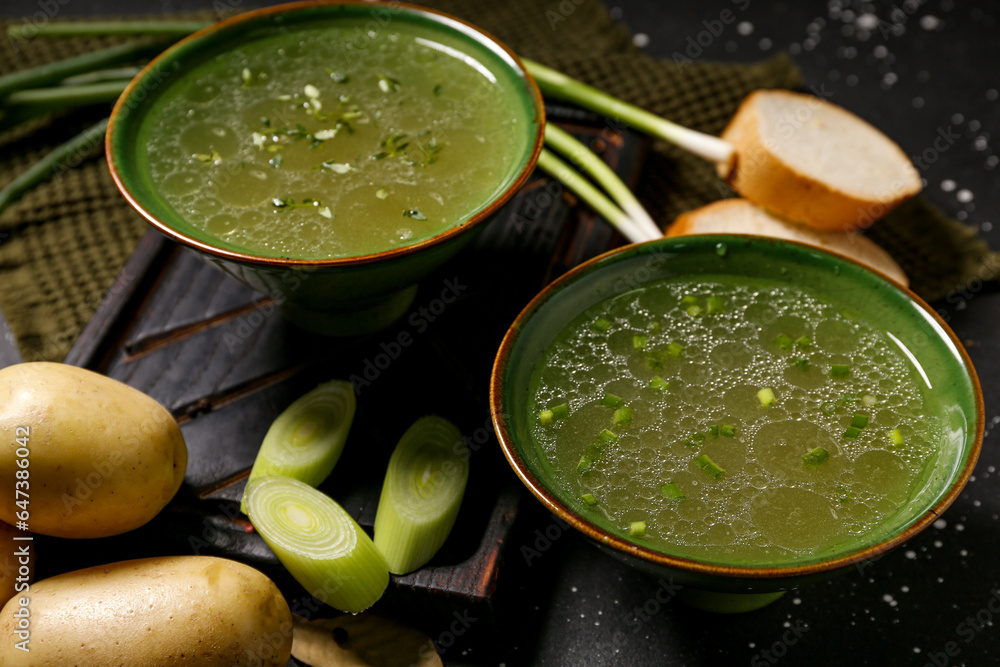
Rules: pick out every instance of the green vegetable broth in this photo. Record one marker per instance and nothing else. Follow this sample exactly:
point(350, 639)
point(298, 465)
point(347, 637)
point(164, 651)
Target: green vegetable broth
point(294, 145)
point(716, 344)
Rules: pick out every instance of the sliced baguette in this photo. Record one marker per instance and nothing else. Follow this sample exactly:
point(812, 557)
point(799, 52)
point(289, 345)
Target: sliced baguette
point(815, 163)
point(739, 216)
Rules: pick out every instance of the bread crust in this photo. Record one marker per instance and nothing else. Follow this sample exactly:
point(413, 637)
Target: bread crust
point(761, 176)
point(709, 220)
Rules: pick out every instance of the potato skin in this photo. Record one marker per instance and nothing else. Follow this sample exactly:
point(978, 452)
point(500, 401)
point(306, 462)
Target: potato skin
point(104, 458)
point(153, 612)
point(10, 561)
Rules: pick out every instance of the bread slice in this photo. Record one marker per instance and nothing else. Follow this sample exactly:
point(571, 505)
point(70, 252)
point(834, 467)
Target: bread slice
point(815, 163)
point(739, 216)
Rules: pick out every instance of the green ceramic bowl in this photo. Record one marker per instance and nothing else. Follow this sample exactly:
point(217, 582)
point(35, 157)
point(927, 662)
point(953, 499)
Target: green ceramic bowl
point(345, 295)
point(733, 586)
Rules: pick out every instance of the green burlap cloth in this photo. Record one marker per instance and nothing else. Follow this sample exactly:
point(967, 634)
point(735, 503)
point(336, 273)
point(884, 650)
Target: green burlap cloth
point(63, 244)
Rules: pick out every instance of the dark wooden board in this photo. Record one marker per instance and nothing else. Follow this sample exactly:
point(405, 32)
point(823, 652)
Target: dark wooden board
point(223, 361)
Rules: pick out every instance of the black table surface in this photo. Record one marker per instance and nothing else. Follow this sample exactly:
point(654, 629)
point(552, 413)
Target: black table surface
point(926, 72)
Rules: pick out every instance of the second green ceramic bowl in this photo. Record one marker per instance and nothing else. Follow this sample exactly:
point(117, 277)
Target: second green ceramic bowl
point(733, 586)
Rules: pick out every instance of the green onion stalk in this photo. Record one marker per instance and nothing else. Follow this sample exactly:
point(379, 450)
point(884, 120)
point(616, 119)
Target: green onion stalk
point(57, 159)
point(558, 85)
point(174, 29)
point(422, 493)
point(53, 73)
point(306, 440)
point(562, 172)
point(565, 143)
point(318, 542)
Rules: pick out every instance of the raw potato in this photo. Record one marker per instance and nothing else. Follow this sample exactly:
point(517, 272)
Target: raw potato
point(103, 457)
point(154, 612)
point(815, 163)
point(10, 560)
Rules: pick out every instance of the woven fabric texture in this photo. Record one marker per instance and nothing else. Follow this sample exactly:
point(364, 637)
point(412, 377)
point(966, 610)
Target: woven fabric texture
point(63, 244)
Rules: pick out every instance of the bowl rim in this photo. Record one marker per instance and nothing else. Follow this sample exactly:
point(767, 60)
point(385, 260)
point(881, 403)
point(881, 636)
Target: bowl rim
point(501, 424)
point(246, 257)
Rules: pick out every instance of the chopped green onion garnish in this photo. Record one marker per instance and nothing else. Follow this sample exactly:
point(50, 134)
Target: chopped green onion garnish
point(803, 342)
point(654, 327)
point(595, 451)
point(607, 436)
point(589, 499)
point(709, 466)
point(672, 491)
point(623, 416)
point(639, 342)
point(546, 417)
point(387, 84)
point(306, 440)
point(675, 350)
point(658, 383)
point(816, 457)
point(689, 300)
point(784, 342)
point(318, 542)
point(694, 311)
point(800, 363)
point(838, 371)
point(895, 437)
point(585, 464)
point(727, 430)
point(852, 432)
point(422, 493)
point(859, 421)
point(611, 401)
point(637, 528)
point(714, 304)
point(766, 397)
point(601, 324)
point(713, 431)
point(869, 400)
point(656, 359)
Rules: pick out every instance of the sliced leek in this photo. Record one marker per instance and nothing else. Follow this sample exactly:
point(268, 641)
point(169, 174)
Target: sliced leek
point(306, 440)
point(318, 542)
point(423, 490)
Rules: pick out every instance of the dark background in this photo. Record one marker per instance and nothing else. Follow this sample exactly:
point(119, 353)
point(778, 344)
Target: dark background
point(919, 71)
